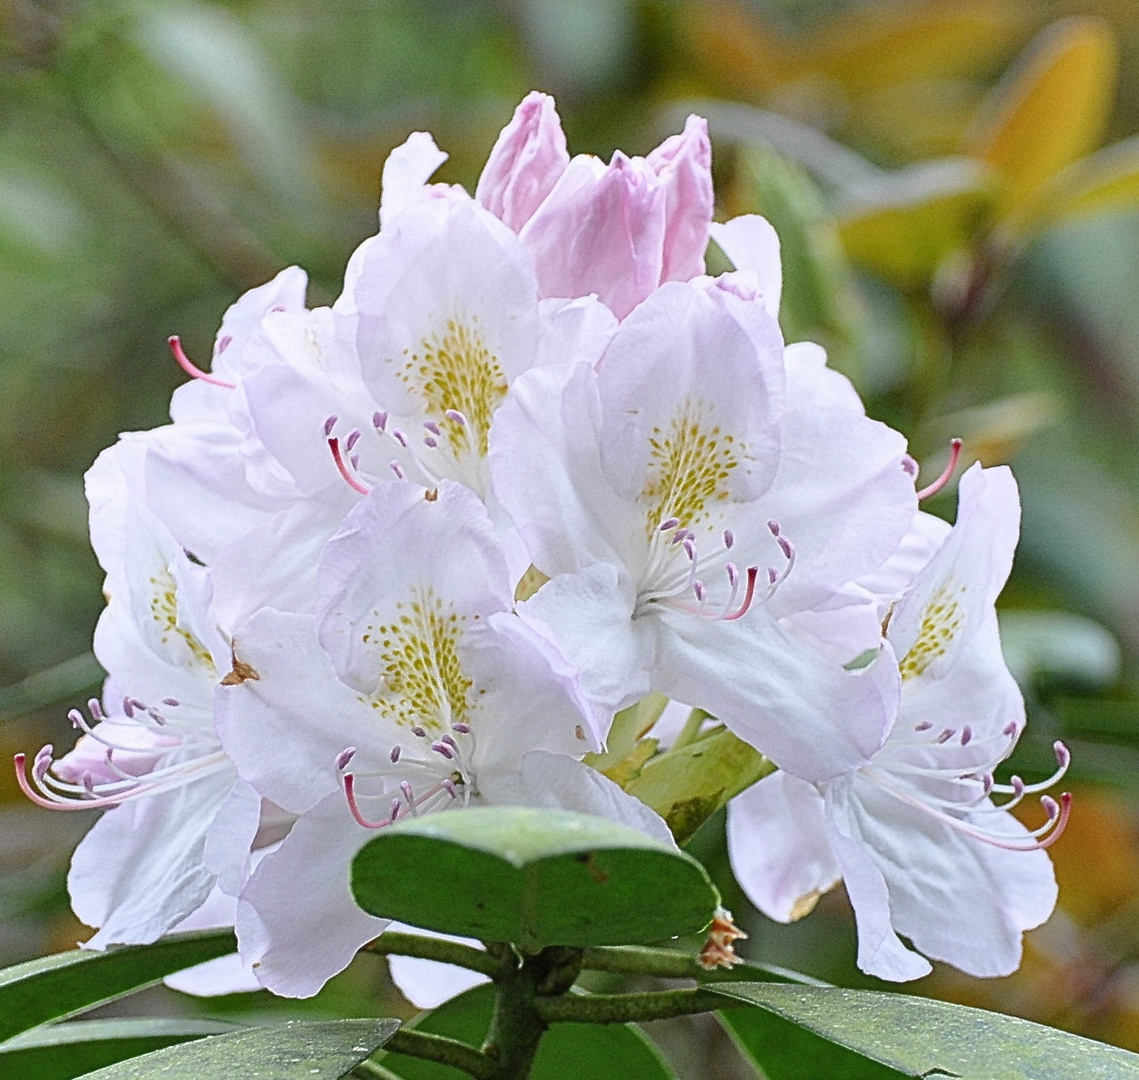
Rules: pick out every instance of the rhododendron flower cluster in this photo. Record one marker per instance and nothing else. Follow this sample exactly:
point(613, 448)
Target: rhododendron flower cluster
point(414, 551)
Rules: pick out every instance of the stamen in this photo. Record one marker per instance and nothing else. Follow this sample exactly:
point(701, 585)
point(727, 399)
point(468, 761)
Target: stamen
point(408, 796)
point(348, 780)
point(128, 708)
point(729, 538)
point(353, 438)
point(96, 709)
point(909, 466)
point(172, 702)
point(966, 735)
point(349, 479)
point(450, 741)
point(399, 437)
point(433, 427)
point(461, 728)
point(396, 468)
point(430, 441)
point(773, 527)
point(223, 344)
point(418, 732)
point(395, 753)
point(944, 478)
point(190, 368)
point(668, 523)
point(456, 416)
point(733, 574)
point(379, 420)
point(345, 756)
point(442, 748)
point(699, 590)
point(329, 424)
point(449, 786)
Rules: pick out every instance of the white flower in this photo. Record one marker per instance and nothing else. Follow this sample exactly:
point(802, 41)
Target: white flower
point(924, 849)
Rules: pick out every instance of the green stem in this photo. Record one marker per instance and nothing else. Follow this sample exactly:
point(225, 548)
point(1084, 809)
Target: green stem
point(394, 943)
point(370, 1070)
point(625, 1008)
point(691, 728)
point(443, 1051)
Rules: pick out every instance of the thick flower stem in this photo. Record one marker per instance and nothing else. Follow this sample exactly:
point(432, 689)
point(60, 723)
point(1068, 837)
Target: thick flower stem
point(626, 1008)
point(445, 1051)
point(392, 943)
point(660, 963)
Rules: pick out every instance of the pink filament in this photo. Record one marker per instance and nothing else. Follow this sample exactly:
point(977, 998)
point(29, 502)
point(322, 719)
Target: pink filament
point(349, 479)
point(190, 368)
point(943, 479)
point(752, 574)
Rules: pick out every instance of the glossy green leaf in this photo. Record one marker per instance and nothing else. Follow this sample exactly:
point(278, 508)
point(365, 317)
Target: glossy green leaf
point(1050, 110)
point(567, 1051)
point(532, 877)
point(64, 984)
point(785, 1051)
point(63, 1051)
point(293, 1051)
point(688, 784)
point(920, 1037)
point(903, 228)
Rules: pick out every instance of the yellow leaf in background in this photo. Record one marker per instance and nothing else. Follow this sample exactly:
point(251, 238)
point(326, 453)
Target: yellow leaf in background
point(1050, 110)
point(1105, 182)
point(918, 217)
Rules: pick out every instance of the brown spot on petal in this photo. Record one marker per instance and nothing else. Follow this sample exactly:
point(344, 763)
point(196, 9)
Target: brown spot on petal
point(242, 672)
point(431, 495)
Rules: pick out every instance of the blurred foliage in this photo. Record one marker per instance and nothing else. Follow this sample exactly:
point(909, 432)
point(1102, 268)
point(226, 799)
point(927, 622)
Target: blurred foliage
point(955, 183)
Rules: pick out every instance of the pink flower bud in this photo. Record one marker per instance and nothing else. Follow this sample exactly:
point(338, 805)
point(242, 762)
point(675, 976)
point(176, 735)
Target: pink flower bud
point(525, 162)
point(684, 165)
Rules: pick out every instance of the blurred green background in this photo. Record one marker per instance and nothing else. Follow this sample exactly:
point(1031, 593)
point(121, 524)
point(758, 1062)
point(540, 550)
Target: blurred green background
point(957, 193)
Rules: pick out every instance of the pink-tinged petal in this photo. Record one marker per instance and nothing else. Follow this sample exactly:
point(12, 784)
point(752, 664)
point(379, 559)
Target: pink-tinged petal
point(525, 162)
point(656, 379)
point(399, 547)
point(296, 947)
point(284, 729)
point(406, 172)
point(780, 852)
point(778, 693)
point(89, 755)
point(557, 782)
point(590, 615)
point(230, 838)
point(810, 383)
point(752, 244)
point(546, 467)
point(841, 497)
point(574, 331)
point(880, 950)
point(684, 165)
point(286, 292)
point(600, 230)
point(954, 594)
point(141, 869)
point(426, 983)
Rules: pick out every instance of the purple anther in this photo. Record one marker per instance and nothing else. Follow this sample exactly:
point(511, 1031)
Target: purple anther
point(456, 416)
point(987, 782)
point(355, 459)
point(689, 548)
point(329, 424)
point(223, 344)
point(733, 574)
point(76, 718)
point(344, 757)
point(352, 440)
point(1011, 729)
point(461, 728)
point(397, 468)
point(433, 427)
point(172, 702)
point(128, 708)
point(925, 725)
point(418, 732)
point(430, 441)
point(669, 523)
point(773, 528)
point(1017, 786)
point(1051, 807)
point(399, 437)
point(1063, 754)
point(395, 753)
point(442, 748)
point(450, 741)
point(772, 575)
point(393, 810)
point(43, 757)
point(946, 735)
point(699, 590)
point(786, 547)
point(379, 420)
point(405, 787)
point(96, 710)
point(966, 735)
point(729, 538)
point(448, 786)
point(909, 466)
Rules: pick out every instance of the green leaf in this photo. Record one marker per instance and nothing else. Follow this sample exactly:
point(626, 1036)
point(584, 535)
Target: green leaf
point(921, 1037)
point(567, 1051)
point(906, 226)
point(54, 987)
point(532, 877)
point(1050, 110)
point(787, 1052)
point(293, 1051)
point(63, 1051)
point(688, 784)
